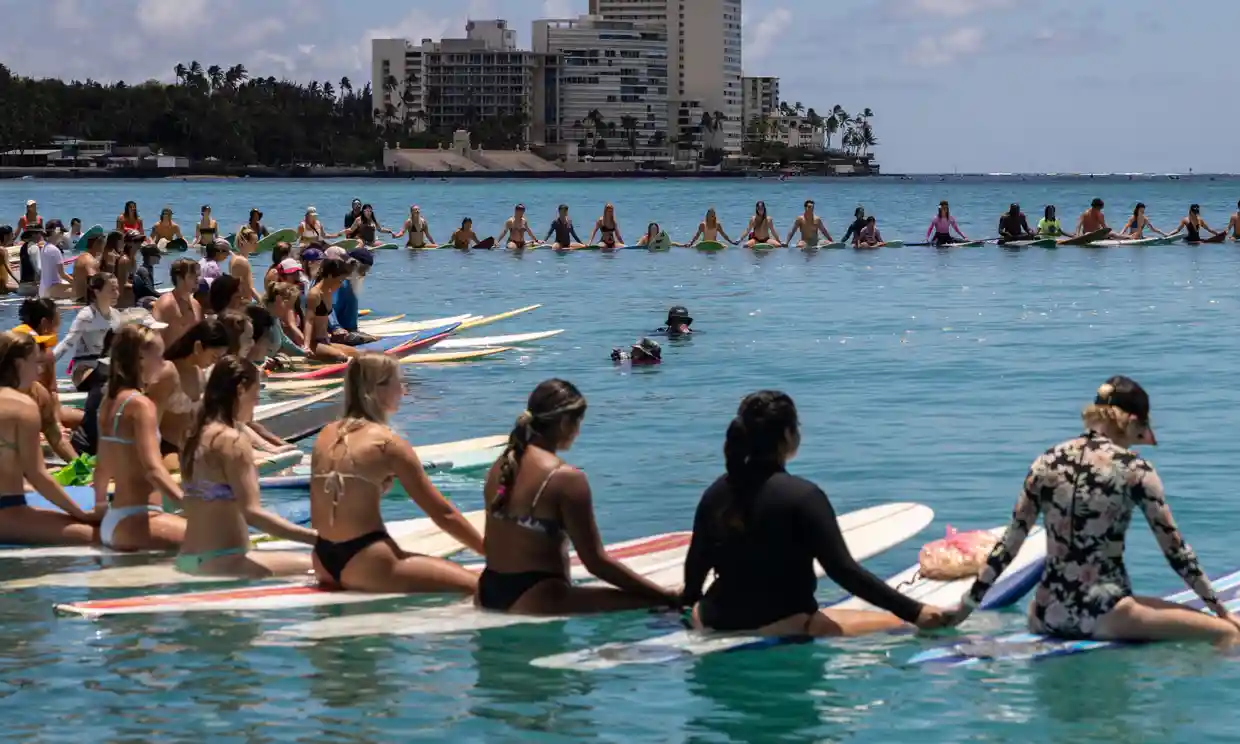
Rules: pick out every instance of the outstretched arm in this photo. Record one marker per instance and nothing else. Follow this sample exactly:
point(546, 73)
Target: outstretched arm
point(1024, 517)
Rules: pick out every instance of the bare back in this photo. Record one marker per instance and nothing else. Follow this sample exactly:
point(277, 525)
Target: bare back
point(512, 547)
point(351, 474)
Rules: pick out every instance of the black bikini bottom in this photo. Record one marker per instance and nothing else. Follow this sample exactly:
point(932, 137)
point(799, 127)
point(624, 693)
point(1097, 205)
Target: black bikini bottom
point(334, 556)
point(7, 502)
point(500, 591)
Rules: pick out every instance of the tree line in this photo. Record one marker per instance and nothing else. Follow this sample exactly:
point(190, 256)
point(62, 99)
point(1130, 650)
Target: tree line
point(211, 112)
point(856, 133)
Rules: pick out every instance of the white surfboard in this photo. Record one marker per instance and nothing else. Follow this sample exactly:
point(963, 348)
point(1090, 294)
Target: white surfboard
point(399, 328)
point(287, 595)
point(414, 535)
point(449, 344)
point(867, 530)
point(865, 536)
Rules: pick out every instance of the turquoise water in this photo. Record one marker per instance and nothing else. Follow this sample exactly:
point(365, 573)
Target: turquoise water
point(920, 375)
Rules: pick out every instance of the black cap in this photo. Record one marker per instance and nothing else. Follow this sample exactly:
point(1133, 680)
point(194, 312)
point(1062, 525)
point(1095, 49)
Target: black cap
point(1125, 394)
point(680, 313)
point(1194, 208)
point(254, 212)
point(649, 347)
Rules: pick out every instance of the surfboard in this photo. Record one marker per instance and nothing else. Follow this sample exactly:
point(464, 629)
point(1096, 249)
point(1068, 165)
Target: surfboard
point(411, 326)
point(467, 454)
point(1128, 243)
point(286, 387)
point(384, 247)
point(419, 340)
point(383, 320)
point(513, 339)
point(1014, 584)
point(287, 595)
point(900, 244)
point(414, 535)
point(348, 244)
point(93, 231)
point(176, 244)
point(661, 242)
point(489, 319)
point(287, 235)
point(1087, 238)
point(1038, 243)
point(709, 245)
point(454, 356)
point(1212, 239)
point(1034, 647)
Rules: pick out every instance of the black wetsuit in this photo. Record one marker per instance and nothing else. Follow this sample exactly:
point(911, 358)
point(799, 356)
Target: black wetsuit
point(1014, 228)
point(765, 571)
point(85, 438)
point(1193, 233)
point(854, 229)
point(564, 230)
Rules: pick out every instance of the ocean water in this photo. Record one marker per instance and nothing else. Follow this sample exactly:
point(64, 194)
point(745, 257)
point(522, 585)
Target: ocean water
point(921, 375)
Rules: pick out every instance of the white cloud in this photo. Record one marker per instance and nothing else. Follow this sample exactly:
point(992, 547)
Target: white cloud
point(760, 37)
point(558, 9)
point(930, 51)
point(951, 8)
point(179, 18)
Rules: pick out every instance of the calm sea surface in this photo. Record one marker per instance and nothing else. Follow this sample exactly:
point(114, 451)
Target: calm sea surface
point(920, 375)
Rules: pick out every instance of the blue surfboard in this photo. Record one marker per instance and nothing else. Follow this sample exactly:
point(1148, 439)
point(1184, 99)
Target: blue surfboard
point(1031, 646)
point(391, 342)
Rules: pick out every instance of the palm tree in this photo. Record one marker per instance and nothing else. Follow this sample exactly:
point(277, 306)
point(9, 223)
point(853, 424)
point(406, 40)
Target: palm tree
point(629, 125)
point(658, 140)
point(798, 108)
point(195, 71)
point(180, 72)
point(867, 138)
point(596, 122)
point(831, 125)
point(328, 91)
point(216, 75)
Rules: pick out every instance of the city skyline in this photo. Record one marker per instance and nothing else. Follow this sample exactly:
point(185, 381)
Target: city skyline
point(969, 60)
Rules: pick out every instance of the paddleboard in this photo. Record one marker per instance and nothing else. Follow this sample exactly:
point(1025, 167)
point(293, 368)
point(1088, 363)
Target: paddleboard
point(1033, 647)
point(384, 247)
point(1038, 243)
point(709, 245)
point(895, 244)
point(367, 326)
point(467, 454)
point(91, 232)
point(1129, 243)
point(1087, 238)
point(294, 594)
point(387, 343)
point(450, 344)
point(287, 235)
point(867, 532)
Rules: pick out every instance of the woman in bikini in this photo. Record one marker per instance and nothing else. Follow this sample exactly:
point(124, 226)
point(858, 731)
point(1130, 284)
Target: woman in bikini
point(1191, 227)
point(366, 228)
point(352, 467)
point(129, 219)
point(607, 229)
point(709, 230)
point(1087, 488)
point(1134, 228)
point(207, 228)
point(21, 459)
point(166, 230)
point(418, 230)
point(332, 274)
point(178, 386)
point(311, 231)
point(129, 451)
point(466, 237)
point(535, 505)
point(221, 487)
point(761, 229)
point(30, 218)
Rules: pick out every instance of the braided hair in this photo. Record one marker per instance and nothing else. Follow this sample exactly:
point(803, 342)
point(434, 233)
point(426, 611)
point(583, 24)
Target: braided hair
point(552, 408)
point(756, 439)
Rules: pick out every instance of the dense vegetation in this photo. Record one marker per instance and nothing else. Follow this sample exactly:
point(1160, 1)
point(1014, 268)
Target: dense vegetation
point(212, 112)
point(855, 132)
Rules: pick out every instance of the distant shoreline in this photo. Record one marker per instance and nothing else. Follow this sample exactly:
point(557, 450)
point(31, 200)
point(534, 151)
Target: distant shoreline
point(196, 174)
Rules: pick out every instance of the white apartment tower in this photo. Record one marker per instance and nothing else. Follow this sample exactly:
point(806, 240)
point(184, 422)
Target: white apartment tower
point(761, 98)
point(704, 60)
point(616, 68)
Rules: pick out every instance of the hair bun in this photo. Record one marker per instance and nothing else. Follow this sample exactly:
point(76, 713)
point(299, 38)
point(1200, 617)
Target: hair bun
point(1105, 390)
point(525, 418)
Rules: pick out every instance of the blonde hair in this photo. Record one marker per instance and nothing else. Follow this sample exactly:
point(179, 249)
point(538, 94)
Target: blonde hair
point(247, 234)
point(1105, 418)
point(712, 219)
point(363, 376)
point(126, 358)
point(14, 347)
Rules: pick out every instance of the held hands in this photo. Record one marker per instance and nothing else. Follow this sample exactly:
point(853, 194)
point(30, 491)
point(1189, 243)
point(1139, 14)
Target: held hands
point(933, 618)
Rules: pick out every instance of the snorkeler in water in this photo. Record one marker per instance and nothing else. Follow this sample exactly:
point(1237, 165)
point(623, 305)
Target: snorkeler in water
point(645, 351)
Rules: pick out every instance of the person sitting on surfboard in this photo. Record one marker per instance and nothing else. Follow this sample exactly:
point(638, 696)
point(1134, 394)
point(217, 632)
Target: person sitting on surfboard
point(857, 223)
point(516, 228)
point(355, 211)
point(1134, 228)
point(166, 230)
point(255, 223)
point(760, 529)
point(565, 233)
point(1093, 220)
point(1049, 226)
point(607, 229)
point(466, 237)
point(352, 467)
point(311, 231)
point(129, 220)
point(75, 229)
point(366, 227)
point(655, 238)
point(179, 309)
point(1191, 226)
point(645, 351)
point(810, 225)
point(1233, 224)
point(709, 230)
point(761, 229)
point(942, 225)
point(869, 236)
point(144, 292)
point(535, 504)
point(418, 230)
point(677, 323)
point(1014, 226)
point(1087, 488)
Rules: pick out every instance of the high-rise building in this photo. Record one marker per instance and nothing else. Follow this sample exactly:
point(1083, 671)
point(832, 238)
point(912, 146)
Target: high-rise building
point(610, 71)
point(704, 63)
point(456, 83)
point(760, 99)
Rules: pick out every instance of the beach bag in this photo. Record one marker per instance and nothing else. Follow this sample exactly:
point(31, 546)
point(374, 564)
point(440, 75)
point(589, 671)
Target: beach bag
point(959, 555)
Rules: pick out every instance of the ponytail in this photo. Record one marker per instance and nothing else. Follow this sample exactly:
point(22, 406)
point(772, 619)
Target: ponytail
point(756, 439)
point(551, 408)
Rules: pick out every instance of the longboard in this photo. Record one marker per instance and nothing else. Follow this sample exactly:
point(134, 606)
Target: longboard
point(1035, 243)
point(1087, 238)
point(467, 454)
point(1110, 243)
point(709, 245)
point(450, 344)
point(465, 323)
point(419, 340)
point(1033, 647)
point(287, 595)
point(287, 235)
point(1010, 587)
point(411, 326)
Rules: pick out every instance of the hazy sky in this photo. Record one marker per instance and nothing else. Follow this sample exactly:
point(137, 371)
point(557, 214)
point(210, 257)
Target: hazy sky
point(968, 85)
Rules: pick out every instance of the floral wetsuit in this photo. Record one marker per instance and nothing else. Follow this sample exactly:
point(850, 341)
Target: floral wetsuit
point(1087, 488)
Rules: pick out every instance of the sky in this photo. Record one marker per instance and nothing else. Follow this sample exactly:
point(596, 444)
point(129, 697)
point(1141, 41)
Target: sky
point(955, 85)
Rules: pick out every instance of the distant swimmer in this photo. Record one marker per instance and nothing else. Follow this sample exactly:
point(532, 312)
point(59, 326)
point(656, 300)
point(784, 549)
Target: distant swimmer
point(869, 236)
point(467, 238)
point(653, 231)
point(761, 529)
point(1233, 225)
point(1014, 226)
point(645, 351)
point(1134, 228)
point(677, 323)
point(942, 225)
point(810, 225)
point(1086, 489)
point(709, 230)
point(516, 228)
point(607, 229)
point(1093, 220)
point(566, 237)
point(1191, 226)
point(1049, 226)
point(761, 229)
point(857, 223)
point(418, 230)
